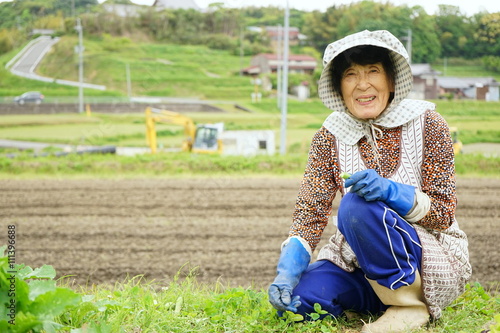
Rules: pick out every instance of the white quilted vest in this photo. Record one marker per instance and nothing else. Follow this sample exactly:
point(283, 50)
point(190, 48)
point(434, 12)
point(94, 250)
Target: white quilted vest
point(445, 258)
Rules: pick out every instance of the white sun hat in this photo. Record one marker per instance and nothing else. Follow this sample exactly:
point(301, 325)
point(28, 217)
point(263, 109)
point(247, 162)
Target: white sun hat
point(344, 126)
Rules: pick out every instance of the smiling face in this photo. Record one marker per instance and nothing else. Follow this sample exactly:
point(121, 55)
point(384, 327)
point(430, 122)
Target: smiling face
point(366, 90)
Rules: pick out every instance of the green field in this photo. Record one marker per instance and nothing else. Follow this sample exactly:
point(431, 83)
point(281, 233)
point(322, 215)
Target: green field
point(477, 122)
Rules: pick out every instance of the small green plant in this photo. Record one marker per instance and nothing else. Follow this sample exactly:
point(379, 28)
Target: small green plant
point(30, 299)
point(495, 328)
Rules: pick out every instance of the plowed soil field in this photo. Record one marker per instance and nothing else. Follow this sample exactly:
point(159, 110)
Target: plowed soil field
point(103, 231)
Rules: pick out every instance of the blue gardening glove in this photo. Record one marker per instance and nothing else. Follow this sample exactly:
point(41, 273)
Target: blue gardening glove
point(293, 262)
point(369, 185)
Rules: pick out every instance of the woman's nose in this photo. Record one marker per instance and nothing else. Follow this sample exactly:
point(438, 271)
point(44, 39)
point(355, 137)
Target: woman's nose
point(363, 81)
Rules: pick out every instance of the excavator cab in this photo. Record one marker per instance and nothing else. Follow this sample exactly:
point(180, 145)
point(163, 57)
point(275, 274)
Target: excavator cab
point(207, 138)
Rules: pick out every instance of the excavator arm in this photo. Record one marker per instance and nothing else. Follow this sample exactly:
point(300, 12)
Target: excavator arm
point(156, 115)
point(203, 139)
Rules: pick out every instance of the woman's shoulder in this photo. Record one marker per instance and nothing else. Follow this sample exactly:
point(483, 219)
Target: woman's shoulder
point(435, 119)
point(323, 137)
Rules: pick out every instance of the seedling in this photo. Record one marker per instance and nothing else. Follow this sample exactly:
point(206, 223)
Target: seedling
point(345, 175)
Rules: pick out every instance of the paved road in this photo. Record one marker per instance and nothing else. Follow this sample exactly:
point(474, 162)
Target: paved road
point(31, 56)
point(25, 63)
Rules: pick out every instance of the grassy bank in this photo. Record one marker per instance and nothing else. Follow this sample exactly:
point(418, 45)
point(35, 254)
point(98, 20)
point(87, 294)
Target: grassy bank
point(182, 305)
point(185, 306)
point(190, 165)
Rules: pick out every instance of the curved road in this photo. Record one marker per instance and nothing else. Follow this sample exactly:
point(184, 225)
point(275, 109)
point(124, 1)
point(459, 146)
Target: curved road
point(26, 61)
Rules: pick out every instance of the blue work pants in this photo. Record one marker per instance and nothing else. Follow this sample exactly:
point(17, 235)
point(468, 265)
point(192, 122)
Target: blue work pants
point(387, 249)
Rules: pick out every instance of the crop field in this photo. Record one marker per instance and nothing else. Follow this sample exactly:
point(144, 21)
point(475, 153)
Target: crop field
point(222, 229)
point(106, 222)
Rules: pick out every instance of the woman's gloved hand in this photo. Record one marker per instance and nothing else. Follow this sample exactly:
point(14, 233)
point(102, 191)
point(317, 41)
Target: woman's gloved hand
point(293, 262)
point(371, 186)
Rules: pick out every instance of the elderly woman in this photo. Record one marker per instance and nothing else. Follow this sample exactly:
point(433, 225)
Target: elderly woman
point(398, 249)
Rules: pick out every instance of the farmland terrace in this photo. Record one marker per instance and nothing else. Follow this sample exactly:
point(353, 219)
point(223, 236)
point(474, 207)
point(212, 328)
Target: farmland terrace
point(52, 108)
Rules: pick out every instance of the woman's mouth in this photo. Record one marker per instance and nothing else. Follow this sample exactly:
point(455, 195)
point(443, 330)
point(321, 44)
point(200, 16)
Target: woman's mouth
point(365, 99)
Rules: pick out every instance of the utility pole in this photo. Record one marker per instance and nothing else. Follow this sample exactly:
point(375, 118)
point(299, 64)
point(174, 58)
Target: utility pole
point(242, 50)
point(129, 83)
point(284, 83)
point(278, 70)
point(80, 64)
point(408, 45)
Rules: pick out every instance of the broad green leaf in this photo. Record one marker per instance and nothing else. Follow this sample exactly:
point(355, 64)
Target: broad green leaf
point(44, 272)
point(293, 317)
point(104, 304)
point(23, 271)
point(51, 327)
point(22, 300)
point(25, 323)
point(4, 325)
point(314, 316)
point(40, 287)
point(54, 303)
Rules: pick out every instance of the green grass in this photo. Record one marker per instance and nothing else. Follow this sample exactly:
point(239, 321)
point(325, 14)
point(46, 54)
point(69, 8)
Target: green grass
point(477, 122)
point(155, 69)
point(190, 165)
point(159, 165)
point(466, 71)
point(130, 129)
point(183, 305)
point(43, 304)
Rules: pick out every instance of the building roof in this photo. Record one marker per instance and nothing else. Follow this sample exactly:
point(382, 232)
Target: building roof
point(449, 82)
point(176, 4)
point(122, 10)
point(423, 69)
point(252, 70)
point(277, 31)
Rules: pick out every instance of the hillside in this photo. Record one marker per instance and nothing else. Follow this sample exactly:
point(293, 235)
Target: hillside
point(160, 69)
point(155, 69)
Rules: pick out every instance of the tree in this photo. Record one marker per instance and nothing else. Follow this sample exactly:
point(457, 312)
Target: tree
point(321, 27)
point(425, 41)
point(337, 22)
point(453, 31)
point(487, 35)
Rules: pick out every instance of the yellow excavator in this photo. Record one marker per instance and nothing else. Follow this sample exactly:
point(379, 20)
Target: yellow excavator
point(204, 138)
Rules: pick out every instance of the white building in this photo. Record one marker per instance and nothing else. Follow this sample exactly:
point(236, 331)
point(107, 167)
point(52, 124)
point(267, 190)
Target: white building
point(176, 4)
point(248, 143)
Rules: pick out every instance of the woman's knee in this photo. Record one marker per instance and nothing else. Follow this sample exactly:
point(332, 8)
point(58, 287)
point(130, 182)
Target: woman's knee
point(335, 290)
point(353, 213)
point(317, 286)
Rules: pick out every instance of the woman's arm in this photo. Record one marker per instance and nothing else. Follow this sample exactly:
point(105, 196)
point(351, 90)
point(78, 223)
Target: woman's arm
point(438, 173)
point(317, 191)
